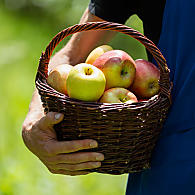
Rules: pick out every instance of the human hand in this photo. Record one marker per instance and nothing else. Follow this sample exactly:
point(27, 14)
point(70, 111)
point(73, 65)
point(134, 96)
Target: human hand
point(60, 157)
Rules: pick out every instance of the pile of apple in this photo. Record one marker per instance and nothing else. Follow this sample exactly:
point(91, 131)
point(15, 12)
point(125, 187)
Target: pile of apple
point(107, 76)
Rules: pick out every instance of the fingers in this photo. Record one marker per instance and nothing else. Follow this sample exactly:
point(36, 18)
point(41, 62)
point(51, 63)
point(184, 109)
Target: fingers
point(57, 147)
point(71, 173)
point(80, 157)
point(61, 147)
point(49, 120)
point(76, 167)
point(75, 158)
point(63, 157)
point(74, 164)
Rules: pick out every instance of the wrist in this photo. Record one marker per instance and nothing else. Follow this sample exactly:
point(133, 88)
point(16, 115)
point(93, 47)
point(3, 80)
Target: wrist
point(31, 118)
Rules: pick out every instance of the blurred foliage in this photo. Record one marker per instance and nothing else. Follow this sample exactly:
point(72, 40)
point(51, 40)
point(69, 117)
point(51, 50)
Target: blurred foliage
point(27, 26)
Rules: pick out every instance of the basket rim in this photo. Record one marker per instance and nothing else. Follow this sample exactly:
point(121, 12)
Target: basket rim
point(164, 82)
point(94, 105)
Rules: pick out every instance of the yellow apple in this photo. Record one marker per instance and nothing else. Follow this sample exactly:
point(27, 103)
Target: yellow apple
point(97, 52)
point(86, 82)
point(58, 76)
point(118, 95)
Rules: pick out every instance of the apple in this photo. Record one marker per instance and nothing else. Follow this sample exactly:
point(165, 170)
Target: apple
point(57, 77)
point(97, 52)
point(142, 100)
point(118, 68)
point(118, 95)
point(146, 82)
point(85, 82)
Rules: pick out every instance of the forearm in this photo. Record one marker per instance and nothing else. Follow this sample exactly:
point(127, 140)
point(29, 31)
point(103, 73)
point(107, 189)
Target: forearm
point(80, 44)
point(35, 112)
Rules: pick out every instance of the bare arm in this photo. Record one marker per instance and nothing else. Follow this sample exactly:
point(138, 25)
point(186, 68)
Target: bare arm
point(38, 133)
point(80, 44)
point(75, 51)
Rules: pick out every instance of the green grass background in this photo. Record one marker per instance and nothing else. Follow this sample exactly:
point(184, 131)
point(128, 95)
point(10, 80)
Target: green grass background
point(26, 27)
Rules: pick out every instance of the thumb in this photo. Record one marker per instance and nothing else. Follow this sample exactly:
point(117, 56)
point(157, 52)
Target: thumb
point(49, 120)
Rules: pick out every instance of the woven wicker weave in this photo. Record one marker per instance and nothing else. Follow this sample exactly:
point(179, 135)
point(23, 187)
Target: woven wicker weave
point(126, 133)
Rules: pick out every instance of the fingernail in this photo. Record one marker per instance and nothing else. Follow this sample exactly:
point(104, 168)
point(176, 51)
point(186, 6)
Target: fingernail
point(96, 164)
point(93, 144)
point(100, 157)
point(57, 116)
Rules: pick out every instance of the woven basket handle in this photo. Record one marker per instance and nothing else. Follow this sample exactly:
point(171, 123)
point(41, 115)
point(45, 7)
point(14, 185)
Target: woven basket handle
point(150, 46)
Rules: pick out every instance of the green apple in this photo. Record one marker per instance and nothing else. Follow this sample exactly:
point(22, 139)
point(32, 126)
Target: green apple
point(118, 95)
point(85, 82)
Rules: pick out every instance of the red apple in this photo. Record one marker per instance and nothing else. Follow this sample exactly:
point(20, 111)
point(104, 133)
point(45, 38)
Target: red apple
point(118, 68)
point(58, 76)
point(146, 82)
point(118, 95)
point(142, 100)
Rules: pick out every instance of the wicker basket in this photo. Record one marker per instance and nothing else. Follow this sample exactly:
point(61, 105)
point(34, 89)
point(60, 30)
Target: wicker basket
point(126, 133)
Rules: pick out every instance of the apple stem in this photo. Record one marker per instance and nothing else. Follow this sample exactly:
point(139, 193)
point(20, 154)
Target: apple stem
point(88, 71)
point(123, 100)
point(151, 85)
point(123, 72)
